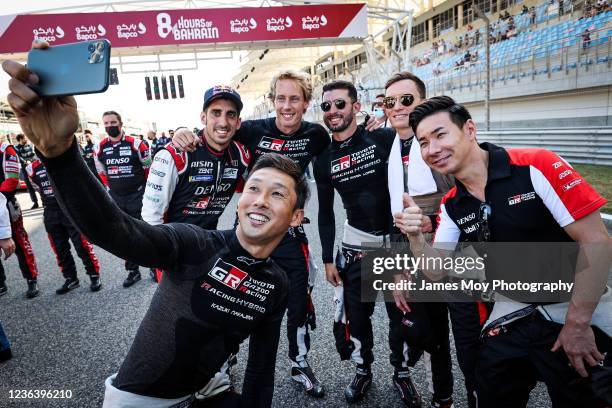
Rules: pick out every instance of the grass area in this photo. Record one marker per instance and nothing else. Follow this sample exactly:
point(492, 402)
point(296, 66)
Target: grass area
point(600, 177)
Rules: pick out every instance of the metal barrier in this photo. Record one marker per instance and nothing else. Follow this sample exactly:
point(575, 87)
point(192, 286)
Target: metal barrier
point(576, 145)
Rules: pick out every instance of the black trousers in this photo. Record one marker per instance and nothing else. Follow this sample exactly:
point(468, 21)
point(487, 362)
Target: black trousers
point(359, 314)
point(29, 186)
point(60, 230)
point(130, 204)
point(424, 328)
point(467, 319)
point(292, 256)
point(510, 363)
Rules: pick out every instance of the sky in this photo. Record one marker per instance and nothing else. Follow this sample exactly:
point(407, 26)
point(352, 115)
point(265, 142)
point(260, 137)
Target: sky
point(129, 98)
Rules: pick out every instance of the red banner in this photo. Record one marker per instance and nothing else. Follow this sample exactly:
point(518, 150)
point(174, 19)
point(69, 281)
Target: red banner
point(175, 27)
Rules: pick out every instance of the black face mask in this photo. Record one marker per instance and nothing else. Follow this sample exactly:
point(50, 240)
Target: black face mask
point(112, 131)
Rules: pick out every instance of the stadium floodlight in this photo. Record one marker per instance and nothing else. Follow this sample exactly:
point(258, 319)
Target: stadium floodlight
point(482, 15)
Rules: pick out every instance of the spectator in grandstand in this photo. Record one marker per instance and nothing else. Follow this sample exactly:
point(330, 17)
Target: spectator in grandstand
point(26, 156)
point(532, 15)
point(437, 69)
point(586, 38)
point(562, 344)
point(525, 10)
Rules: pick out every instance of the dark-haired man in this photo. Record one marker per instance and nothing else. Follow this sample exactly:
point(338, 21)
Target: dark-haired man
point(221, 286)
point(559, 343)
point(407, 172)
point(289, 135)
point(26, 156)
point(123, 164)
point(355, 165)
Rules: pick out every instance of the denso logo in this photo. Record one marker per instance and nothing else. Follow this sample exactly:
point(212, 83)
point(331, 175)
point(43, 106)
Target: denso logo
point(340, 164)
point(121, 160)
point(271, 144)
point(227, 274)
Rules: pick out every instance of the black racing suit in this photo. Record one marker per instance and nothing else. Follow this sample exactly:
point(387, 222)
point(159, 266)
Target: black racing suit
point(356, 168)
point(215, 294)
point(59, 229)
point(123, 167)
point(260, 137)
point(88, 155)
point(26, 155)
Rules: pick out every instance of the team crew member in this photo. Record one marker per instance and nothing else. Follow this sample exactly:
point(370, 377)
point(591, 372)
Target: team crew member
point(9, 179)
point(288, 135)
point(407, 172)
point(8, 247)
point(59, 230)
point(123, 165)
point(221, 286)
point(355, 165)
point(557, 343)
point(26, 155)
point(153, 142)
point(89, 152)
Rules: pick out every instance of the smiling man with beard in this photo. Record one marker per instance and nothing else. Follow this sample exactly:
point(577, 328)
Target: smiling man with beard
point(209, 301)
point(355, 165)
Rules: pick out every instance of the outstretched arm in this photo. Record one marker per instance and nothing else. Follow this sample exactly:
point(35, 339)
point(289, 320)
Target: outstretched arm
point(50, 123)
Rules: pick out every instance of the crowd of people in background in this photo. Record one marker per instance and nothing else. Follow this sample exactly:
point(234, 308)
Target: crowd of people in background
point(502, 29)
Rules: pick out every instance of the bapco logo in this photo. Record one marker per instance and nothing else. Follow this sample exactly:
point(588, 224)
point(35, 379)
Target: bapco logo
point(227, 274)
point(271, 144)
point(340, 164)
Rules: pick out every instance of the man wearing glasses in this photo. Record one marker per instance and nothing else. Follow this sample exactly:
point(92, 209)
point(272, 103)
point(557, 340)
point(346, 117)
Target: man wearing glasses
point(521, 195)
point(407, 172)
point(355, 165)
point(289, 135)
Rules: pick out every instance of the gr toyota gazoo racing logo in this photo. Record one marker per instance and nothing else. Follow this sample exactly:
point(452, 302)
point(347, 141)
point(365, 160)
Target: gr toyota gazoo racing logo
point(227, 274)
point(340, 164)
point(203, 203)
point(519, 198)
point(271, 144)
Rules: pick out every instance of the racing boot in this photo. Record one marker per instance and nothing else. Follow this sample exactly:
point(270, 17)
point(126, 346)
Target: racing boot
point(409, 394)
point(32, 289)
point(69, 284)
point(95, 285)
point(302, 373)
point(132, 278)
point(357, 389)
point(442, 403)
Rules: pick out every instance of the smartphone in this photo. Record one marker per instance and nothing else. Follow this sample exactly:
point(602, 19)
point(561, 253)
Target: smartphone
point(71, 69)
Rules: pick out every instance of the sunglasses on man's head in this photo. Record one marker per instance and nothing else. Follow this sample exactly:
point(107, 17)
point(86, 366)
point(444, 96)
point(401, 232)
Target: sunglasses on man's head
point(484, 215)
point(326, 105)
point(390, 101)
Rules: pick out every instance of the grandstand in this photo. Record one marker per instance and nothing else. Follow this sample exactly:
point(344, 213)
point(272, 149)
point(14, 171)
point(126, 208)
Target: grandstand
point(553, 69)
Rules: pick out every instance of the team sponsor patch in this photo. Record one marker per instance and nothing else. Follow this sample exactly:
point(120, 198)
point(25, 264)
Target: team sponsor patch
point(201, 177)
point(230, 173)
point(340, 164)
point(571, 184)
point(112, 170)
point(154, 186)
point(125, 152)
point(227, 274)
point(158, 173)
point(202, 204)
point(556, 165)
point(405, 160)
point(11, 167)
point(271, 144)
point(519, 198)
